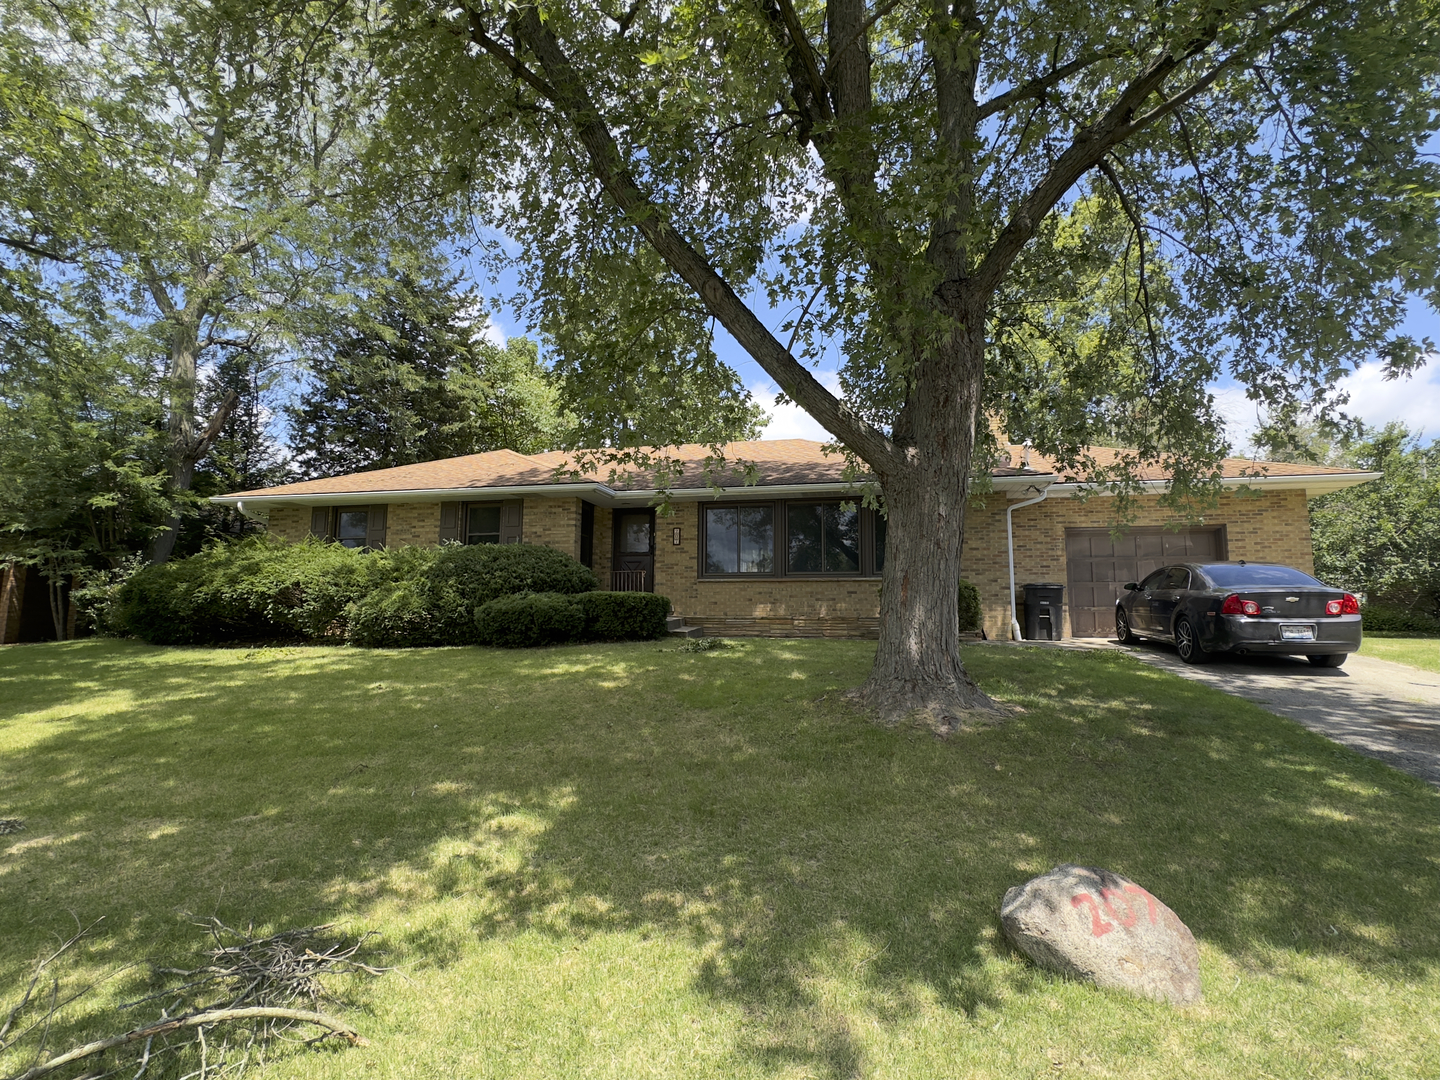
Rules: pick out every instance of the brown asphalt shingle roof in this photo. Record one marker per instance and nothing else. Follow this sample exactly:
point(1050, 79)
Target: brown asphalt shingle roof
point(778, 461)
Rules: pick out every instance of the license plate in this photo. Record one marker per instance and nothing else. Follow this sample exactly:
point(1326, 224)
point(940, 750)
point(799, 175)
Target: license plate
point(1297, 633)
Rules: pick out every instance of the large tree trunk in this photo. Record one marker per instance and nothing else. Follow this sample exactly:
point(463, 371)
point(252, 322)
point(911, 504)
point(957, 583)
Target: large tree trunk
point(917, 669)
point(180, 451)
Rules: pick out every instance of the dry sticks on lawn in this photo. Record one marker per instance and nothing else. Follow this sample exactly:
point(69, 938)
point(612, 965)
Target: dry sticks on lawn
point(251, 991)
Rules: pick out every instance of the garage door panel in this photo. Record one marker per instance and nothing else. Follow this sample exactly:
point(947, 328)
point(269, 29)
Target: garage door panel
point(1099, 565)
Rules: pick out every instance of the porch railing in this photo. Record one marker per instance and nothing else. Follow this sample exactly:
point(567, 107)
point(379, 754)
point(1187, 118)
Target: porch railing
point(627, 580)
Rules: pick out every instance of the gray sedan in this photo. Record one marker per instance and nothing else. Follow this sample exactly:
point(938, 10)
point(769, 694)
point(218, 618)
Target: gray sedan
point(1240, 607)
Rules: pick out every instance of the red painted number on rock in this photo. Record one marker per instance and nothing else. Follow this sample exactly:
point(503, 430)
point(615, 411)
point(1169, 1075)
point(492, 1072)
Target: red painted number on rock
point(1098, 926)
point(1126, 912)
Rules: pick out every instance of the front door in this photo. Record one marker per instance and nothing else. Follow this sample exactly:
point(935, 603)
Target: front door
point(634, 551)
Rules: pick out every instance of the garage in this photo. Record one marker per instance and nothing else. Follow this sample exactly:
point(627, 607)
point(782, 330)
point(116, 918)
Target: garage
point(1098, 565)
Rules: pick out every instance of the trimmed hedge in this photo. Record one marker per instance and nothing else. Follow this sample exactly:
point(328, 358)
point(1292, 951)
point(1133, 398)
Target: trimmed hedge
point(624, 616)
point(1388, 618)
point(971, 617)
point(521, 622)
point(428, 596)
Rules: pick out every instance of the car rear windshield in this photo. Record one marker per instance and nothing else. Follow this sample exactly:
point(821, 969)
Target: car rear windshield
point(1229, 576)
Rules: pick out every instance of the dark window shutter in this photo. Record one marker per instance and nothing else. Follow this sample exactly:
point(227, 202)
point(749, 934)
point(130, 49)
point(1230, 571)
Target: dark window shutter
point(375, 526)
point(452, 518)
point(320, 521)
point(587, 534)
point(512, 517)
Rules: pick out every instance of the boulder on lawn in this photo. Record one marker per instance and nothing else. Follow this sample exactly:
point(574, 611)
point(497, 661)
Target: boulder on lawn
point(1099, 926)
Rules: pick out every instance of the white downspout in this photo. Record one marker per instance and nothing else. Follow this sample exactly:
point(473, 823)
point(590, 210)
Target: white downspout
point(1010, 545)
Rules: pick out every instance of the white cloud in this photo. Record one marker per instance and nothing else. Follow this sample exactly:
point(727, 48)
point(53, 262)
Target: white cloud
point(789, 421)
point(492, 333)
point(1415, 401)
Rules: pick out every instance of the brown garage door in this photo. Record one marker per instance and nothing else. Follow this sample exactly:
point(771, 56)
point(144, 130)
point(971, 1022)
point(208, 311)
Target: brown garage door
point(1099, 567)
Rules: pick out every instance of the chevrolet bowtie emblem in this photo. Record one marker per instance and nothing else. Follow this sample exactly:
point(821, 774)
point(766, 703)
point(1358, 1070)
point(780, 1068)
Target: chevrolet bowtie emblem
point(1292, 599)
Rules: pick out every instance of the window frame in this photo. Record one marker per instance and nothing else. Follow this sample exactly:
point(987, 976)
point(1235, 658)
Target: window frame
point(779, 515)
point(338, 515)
point(465, 533)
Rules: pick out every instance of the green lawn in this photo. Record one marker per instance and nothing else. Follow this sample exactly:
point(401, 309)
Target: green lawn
point(627, 861)
point(1421, 652)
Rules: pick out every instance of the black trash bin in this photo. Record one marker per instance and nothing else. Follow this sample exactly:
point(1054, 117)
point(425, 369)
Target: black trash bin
point(1044, 611)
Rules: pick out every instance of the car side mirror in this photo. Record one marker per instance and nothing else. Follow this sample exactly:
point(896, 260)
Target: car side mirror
point(1132, 586)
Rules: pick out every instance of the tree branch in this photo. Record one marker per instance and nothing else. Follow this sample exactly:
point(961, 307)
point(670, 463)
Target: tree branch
point(1117, 124)
point(506, 57)
point(1108, 171)
point(34, 249)
point(211, 1016)
point(573, 99)
point(1036, 87)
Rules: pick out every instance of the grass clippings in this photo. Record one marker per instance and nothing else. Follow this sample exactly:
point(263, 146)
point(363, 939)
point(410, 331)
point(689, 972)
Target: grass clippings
point(620, 861)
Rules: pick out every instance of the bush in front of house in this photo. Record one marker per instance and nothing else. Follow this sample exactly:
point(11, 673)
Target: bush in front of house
point(254, 588)
point(1394, 619)
point(428, 596)
point(970, 614)
point(522, 622)
point(624, 616)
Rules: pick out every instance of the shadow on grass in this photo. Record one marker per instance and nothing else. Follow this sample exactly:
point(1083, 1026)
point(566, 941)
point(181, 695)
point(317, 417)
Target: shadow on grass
point(818, 864)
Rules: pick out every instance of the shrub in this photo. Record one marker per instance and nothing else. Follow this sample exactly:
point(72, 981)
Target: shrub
point(259, 587)
point(624, 616)
point(519, 622)
point(971, 616)
point(1390, 618)
point(428, 596)
point(463, 578)
point(393, 614)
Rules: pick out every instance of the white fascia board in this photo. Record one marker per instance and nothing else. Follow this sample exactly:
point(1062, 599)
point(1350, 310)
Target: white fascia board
point(253, 505)
point(1312, 485)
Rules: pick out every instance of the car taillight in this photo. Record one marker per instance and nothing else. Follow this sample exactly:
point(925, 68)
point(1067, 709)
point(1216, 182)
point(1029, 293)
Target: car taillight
point(1348, 605)
point(1233, 605)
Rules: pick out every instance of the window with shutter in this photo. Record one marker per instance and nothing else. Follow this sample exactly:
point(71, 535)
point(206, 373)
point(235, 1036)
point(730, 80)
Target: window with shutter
point(320, 522)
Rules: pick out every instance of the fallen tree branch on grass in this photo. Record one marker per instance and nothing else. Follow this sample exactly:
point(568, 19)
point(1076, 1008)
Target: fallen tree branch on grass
point(337, 1028)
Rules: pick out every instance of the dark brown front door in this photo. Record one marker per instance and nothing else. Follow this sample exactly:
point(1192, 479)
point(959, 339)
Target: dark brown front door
point(634, 551)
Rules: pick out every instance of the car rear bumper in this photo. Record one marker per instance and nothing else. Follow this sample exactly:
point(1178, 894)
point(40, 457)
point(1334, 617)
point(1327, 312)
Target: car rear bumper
point(1240, 633)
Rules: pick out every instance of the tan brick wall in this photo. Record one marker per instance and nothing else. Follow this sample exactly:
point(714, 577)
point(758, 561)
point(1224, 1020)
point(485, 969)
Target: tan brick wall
point(412, 525)
point(554, 523)
point(604, 550)
point(290, 523)
point(1273, 527)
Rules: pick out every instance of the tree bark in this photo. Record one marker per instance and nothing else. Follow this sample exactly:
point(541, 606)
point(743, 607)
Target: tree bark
point(917, 671)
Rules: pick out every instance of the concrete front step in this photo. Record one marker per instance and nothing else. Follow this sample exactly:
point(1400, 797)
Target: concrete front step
point(687, 631)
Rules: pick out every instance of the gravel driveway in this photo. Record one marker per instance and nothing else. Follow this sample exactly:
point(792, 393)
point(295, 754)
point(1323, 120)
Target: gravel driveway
point(1382, 709)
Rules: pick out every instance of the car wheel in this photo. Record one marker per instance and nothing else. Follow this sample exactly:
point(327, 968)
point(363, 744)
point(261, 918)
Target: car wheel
point(1123, 633)
point(1187, 644)
point(1334, 659)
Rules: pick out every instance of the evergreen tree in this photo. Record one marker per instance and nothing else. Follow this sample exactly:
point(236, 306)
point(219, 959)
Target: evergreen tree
point(416, 380)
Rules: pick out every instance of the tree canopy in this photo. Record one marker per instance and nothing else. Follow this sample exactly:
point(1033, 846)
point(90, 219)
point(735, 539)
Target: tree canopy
point(416, 380)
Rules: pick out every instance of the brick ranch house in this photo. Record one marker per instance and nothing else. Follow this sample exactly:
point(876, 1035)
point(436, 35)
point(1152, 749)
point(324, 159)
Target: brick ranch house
point(782, 556)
